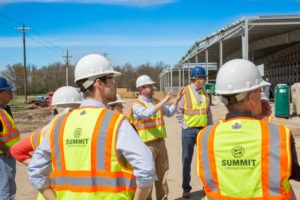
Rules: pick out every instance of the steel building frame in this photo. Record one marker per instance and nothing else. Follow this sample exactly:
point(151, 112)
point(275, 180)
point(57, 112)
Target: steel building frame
point(246, 38)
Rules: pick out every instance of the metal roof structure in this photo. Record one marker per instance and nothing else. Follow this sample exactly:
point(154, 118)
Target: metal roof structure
point(249, 38)
point(272, 41)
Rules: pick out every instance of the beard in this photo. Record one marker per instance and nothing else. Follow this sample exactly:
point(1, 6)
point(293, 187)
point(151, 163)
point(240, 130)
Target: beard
point(111, 97)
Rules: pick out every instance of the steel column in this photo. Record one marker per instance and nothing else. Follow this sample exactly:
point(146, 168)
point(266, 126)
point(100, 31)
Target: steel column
point(221, 54)
point(189, 71)
point(160, 83)
point(245, 41)
point(179, 77)
point(206, 62)
point(171, 79)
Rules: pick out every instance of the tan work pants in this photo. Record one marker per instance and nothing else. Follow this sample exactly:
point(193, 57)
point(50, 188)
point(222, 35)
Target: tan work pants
point(160, 156)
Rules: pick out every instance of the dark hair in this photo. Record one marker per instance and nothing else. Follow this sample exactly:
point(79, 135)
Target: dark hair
point(89, 92)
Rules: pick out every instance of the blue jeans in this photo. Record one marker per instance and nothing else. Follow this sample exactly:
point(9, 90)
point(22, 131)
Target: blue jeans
point(7, 177)
point(188, 141)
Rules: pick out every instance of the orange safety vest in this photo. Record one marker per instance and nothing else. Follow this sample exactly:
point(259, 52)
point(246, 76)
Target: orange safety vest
point(95, 172)
point(227, 161)
point(10, 133)
point(35, 138)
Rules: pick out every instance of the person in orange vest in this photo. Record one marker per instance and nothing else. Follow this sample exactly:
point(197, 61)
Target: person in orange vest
point(147, 115)
point(88, 154)
point(193, 114)
point(66, 98)
point(9, 135)
point(243, 157)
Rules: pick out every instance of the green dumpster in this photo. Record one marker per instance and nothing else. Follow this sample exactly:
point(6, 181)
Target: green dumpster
point(282, 101)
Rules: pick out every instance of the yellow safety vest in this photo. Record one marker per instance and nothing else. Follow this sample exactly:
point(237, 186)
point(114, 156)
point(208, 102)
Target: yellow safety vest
point(194, 112)
point(37, 136)
point(10, 133)
point(245, 158)
point(152, 128)
point(85, 162)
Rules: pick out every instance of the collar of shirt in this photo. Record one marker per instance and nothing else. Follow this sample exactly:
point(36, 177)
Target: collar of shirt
point(194, 88)
point(92, 103)
point(145, 99)
point(199, 97)
point(239, 114)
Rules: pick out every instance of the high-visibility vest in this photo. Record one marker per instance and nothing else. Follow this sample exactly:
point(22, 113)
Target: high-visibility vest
point(10, 133)
point(152, 128)
point(37, 136)
point(245, 158)
point(85, 162)
point(194, 112)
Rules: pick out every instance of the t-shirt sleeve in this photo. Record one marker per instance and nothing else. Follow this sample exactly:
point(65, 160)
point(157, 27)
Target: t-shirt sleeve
point(21, 150)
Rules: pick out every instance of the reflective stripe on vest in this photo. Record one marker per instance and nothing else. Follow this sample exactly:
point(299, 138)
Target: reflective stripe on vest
point(93, 181)
point(103, 174)
point(221, 171)
point(35, 138)
point(9, 134)
point(152, 128)
point(204, 157)
point(150, 123)
point(194, 114)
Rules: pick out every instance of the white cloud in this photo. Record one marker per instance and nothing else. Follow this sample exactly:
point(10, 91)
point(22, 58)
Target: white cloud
point(95, 41)
point(141, 3)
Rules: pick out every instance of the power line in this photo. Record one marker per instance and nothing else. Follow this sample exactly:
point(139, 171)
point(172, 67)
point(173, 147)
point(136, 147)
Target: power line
point(39, 41)
point(42, 42)
point(46, 41)
point(16, 23)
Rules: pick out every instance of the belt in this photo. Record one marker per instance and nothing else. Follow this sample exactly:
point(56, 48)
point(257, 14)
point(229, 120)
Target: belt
point(199, 127)
point(155, 140)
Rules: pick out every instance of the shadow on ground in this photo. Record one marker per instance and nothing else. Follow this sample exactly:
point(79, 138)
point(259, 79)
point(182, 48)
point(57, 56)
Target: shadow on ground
point(195, 195)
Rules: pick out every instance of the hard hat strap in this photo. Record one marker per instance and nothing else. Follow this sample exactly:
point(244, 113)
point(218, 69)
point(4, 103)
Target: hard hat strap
point(87, 84)
point(234, 98)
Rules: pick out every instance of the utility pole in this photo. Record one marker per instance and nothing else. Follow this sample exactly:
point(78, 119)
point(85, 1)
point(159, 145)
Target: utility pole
point(105, 55)
point(67, 56)
point(24, 29)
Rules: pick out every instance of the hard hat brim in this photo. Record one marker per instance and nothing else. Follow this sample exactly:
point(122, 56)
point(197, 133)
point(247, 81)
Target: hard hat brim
point(94, 76)
point(66, 105)
point(149, 83)
point(199, 77)
point(229, 92)
point(116, 102)
point(8, 88)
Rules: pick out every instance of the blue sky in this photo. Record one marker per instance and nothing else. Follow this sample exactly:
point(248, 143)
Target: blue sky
point(134, 31)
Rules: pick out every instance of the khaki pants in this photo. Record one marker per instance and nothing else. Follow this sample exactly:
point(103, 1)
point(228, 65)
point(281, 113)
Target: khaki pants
point(160, 156)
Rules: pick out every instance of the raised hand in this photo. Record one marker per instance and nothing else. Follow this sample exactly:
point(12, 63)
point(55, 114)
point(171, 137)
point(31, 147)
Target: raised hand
point(168, 97)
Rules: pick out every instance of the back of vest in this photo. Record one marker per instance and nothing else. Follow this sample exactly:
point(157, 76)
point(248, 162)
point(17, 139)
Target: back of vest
point(85, 162)
point(239, 158)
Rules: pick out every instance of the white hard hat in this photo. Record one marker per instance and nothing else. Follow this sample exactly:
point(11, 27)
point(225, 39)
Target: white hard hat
point(66, 96)
point(238, 76)
point(119, 100)
point(144, 80)
point(93, 66)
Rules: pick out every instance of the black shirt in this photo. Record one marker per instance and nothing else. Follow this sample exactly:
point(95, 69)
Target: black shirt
point(7, 109)
point(295, 164)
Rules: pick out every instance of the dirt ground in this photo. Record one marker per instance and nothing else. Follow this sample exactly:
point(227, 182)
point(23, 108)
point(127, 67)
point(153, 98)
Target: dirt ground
point(29, 120)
